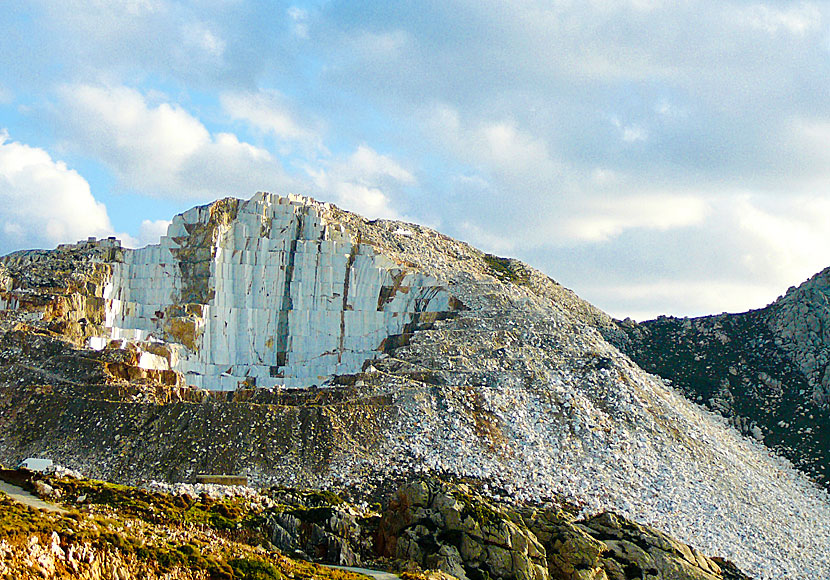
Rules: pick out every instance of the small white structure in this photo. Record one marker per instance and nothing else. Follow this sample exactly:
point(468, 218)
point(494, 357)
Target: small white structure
point(35, 464)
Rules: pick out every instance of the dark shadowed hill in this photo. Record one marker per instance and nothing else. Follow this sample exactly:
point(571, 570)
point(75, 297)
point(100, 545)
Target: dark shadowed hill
point(766, 370)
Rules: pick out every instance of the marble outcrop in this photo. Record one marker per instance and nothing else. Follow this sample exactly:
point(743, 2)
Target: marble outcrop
point(265, 292)
point(492, 372)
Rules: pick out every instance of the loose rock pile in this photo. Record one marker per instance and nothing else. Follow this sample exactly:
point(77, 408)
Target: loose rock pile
point(518, 388)
point(763, 370)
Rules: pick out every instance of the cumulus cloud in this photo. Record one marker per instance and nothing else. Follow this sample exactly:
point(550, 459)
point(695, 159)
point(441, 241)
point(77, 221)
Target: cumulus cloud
point(497, 143)
point(600, 140)
point(163, 150)
point(744, 251)
point(648, 301)
point(268, 112)
point(110, 41)
point(43, 201)
point(796, 20)
point(362, 182)
point(602, 219)
point(150, 231)
point(198, 35)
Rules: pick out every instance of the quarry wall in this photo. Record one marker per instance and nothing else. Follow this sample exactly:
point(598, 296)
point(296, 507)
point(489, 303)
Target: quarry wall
point(265, 292)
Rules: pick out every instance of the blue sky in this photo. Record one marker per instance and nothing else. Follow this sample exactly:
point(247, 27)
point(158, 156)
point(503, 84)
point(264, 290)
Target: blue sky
point(656, 157)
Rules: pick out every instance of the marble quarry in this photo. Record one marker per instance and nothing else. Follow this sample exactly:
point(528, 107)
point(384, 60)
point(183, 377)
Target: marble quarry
point(264, 292)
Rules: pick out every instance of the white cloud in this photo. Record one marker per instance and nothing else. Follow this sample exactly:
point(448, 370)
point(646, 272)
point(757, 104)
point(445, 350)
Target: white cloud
point(366, 164)
point(715, 103)
point(300, 19)
point(485, 239)
point(790, 238)
point(380, 46)
point(122, 8)
point(630, 133)
point(267, 111)
point(745, 252)
point(499, 143)
point(43, 201)
point(795, 20)
point(363, 182)
point(198, 35)
point(647, 301)
point(163, 150)
point(151, 231)
point(601, 219)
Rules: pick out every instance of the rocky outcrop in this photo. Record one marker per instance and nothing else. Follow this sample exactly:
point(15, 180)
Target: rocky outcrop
point(762, 369)
point(60, 291)
point(320, 526)
point(433, 529)
point(455, 530)
point(496, 373)
point(267, 292)
point(800, 322)
point(636, 551)
point(448, 528)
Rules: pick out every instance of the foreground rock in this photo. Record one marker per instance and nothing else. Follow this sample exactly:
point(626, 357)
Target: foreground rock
point(440, 358)
point(427, 528)
point(110, 532)
point(451, 528)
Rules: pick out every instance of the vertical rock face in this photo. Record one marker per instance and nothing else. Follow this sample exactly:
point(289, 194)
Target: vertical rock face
point(266, 292)
point(800, 321)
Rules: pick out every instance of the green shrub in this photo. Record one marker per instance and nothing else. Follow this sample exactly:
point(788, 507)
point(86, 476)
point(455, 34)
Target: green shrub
point(247, 569)
point(507, 270)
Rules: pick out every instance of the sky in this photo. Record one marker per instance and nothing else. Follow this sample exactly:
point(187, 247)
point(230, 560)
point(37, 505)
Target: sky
point(655, 157)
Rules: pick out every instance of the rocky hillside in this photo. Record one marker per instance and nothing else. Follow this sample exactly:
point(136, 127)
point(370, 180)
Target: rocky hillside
point(301, 345)
point(428, 530)
point(765, 370)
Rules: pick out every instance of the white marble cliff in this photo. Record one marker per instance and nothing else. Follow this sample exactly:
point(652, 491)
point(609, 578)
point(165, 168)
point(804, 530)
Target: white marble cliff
point(264, 292)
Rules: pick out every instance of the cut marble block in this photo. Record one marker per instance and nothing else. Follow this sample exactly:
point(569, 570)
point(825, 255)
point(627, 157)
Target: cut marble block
point(267, 290)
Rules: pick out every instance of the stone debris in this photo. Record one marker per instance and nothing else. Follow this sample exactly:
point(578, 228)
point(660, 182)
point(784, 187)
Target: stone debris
point(460, 364)
point(763, 370)
point(212, 490)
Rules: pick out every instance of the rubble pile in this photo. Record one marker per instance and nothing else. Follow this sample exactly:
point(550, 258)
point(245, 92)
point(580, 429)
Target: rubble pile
point(482, 368)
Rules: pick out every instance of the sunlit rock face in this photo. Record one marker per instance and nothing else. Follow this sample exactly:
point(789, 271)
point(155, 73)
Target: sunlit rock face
point(267, 292)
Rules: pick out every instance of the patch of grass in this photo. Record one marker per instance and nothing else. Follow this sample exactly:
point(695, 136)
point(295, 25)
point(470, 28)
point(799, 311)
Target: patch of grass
point(248, 569)
point(165, 517)
point(507, 270)
point(161, 508)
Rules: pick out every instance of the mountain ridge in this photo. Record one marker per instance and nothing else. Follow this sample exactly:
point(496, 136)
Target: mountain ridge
point(766, 370)
point(511, 382)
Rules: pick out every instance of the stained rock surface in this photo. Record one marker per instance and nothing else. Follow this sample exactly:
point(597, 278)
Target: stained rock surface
point(490, 371)
point(451, 528)
point(268, 291)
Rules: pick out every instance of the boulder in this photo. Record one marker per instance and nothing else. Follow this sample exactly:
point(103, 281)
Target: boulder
point(449, 528)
